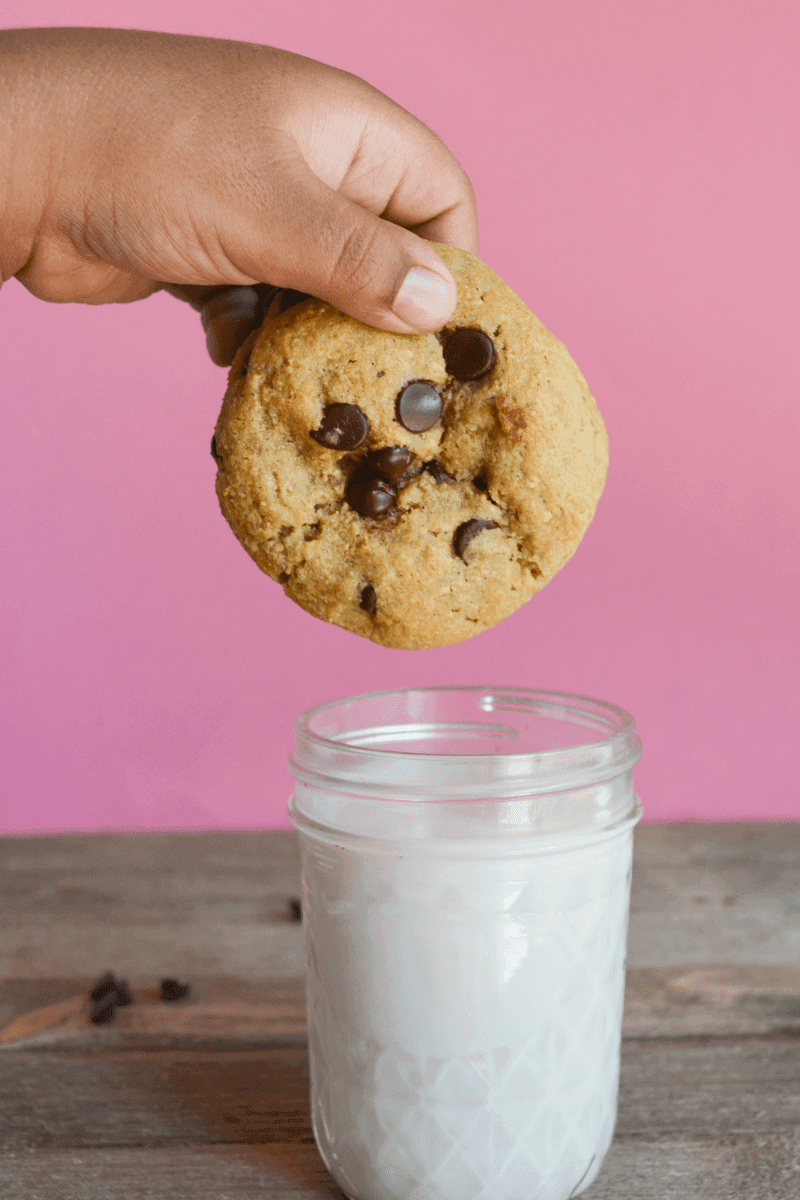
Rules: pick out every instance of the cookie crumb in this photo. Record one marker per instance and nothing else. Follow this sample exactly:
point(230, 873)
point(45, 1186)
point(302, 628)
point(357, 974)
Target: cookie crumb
point(511, 417)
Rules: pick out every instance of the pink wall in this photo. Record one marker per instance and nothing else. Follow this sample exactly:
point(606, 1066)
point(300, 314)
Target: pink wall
point(637, 179)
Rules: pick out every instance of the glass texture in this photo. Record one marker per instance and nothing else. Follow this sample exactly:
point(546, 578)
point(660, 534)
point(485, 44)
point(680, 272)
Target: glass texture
point(465, 948)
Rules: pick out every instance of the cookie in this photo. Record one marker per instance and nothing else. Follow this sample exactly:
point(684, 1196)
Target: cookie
point(416, 489)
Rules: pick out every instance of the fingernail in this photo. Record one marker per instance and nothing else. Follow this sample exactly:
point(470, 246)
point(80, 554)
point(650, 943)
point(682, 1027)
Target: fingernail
point(425, 300)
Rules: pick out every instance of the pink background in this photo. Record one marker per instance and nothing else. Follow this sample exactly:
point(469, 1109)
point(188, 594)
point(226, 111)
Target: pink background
point(636, 168)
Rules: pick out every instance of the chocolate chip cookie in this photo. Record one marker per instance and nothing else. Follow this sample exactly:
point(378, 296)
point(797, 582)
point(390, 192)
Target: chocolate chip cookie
point(412, 489)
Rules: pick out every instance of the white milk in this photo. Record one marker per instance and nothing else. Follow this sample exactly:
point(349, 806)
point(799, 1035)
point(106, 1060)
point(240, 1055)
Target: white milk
point(465, 984)
point(464, 1019)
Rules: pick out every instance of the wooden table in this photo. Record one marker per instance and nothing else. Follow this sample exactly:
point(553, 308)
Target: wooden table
point(208, 1098)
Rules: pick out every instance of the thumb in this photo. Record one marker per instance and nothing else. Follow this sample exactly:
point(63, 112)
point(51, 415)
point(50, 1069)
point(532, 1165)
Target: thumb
point(378, 272)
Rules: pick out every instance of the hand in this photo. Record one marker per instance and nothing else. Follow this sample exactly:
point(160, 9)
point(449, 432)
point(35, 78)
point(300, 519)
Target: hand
point(140, 161)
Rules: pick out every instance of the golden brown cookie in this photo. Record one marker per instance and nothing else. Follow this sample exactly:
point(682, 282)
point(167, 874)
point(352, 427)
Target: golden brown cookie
point(412, 489)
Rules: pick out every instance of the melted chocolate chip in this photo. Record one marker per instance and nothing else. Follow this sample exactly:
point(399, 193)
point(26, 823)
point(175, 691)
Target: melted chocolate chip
point(371, 497)
point(369, 599)
point(418, 407)
point(214, 454)
point(392, 462)
point(469, 530)
point(436, 471)
point(343, 427)
point(469, 354)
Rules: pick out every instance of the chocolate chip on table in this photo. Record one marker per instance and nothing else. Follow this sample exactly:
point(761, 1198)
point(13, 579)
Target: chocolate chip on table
point(295, 910)
point(173, 990)
point(103, 986)
point(343, 427)
point(110, 990)
point(369, 599)
point(102, 1011)
point(391, 462)
point(418, 406)
point(469, 530)
point(371, 497)
point(468, 354)
point(123, 993)
point(435, 469)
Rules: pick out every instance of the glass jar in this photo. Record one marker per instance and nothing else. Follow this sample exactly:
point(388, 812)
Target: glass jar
point(466, 858)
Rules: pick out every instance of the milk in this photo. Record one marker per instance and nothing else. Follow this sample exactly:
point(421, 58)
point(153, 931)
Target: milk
point(466, 860)
point(464, 1015)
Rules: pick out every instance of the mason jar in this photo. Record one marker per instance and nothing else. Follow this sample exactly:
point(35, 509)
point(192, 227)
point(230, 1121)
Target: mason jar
point(466, 857)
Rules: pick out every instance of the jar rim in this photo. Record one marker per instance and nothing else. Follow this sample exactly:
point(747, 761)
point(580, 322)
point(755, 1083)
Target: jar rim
point(333, 761)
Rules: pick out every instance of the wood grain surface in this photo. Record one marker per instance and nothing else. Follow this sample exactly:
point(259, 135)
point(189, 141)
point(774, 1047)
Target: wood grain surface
point(209, 1097)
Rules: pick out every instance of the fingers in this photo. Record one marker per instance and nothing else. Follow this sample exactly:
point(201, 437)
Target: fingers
point(319, 241)
point(433, 195)
point(228, 315)
point(373, 270)
point(227, 318)
point(295, 173)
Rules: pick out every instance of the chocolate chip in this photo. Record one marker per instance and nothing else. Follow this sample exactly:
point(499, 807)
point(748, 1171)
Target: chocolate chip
point(480, 483)
point(369, 599)
point(436, 471)
point(109, 991)
point(392, 462)
point(173, 990)
point(371, 497)
point(295, 910)
point(102, 1012)
point(104, 985)
point(418, 407)
point(214, 454)
point(124, 995)
point(469, 354)
point(343, 427)
point(469, 530)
